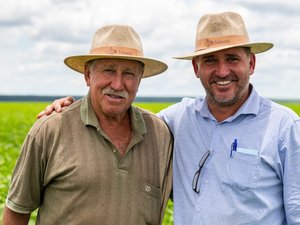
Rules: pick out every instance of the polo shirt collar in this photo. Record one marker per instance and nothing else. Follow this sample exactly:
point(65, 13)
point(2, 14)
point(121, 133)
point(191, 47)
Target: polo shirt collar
point(250, 106)
point(89, 117)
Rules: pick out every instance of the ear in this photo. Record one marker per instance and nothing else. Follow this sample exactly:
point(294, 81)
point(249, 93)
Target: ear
point(195, 66)
point(141, 75)
point(87, 75)
point(252, 63)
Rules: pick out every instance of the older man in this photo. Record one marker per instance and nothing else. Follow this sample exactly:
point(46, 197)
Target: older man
point(102, 160)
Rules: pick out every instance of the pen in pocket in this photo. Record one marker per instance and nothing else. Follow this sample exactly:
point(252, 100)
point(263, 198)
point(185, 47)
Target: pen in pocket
point(233, 148)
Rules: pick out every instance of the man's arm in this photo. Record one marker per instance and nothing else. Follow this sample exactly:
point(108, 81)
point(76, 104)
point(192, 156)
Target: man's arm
point(291, 181)
point(12, 218)
point(56, 106)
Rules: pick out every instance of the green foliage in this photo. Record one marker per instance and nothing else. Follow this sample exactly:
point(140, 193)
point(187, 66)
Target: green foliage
point(15, 121)
point(153, 107)
point(293, 105)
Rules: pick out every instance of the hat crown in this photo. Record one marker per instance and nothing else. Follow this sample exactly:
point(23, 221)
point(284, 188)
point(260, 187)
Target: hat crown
point(223, 24)
point(116, 39)
point(220, 29)
point(216, 32)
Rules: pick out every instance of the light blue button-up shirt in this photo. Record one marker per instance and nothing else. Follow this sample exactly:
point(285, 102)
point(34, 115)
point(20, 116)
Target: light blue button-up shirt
point(259, 184)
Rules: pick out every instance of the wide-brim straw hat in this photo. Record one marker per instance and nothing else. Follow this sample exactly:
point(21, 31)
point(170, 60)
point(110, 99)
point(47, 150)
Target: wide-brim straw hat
point(116, 42)
point(220, 31)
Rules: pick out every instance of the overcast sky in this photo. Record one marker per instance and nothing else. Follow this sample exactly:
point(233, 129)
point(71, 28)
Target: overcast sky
point(36, 36)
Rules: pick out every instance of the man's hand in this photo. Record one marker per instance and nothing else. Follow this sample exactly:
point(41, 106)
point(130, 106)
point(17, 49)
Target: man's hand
point(56, 106)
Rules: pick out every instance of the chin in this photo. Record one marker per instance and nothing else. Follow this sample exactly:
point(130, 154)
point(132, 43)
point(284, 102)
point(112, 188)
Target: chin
point(224, 101)
point(115, 111)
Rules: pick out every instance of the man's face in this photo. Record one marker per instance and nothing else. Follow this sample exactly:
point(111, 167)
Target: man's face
point(225, 75)
point(113, 85)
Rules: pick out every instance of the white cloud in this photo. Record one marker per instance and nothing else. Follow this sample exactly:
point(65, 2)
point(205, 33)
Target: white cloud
point(36, 35)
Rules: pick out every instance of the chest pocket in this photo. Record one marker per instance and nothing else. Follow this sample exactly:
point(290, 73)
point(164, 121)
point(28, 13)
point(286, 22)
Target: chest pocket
point(150, 203)
point(242, 171)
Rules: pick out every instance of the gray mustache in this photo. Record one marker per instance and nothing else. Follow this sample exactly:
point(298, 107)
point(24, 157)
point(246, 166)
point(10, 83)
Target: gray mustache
point(110, 91)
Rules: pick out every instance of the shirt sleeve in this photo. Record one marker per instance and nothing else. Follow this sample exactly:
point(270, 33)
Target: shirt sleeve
point(168, 114)
point(291, 180)
point(24, 194)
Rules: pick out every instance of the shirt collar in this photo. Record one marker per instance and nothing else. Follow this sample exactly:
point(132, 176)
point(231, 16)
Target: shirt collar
point(250, 106)
point(89, 117)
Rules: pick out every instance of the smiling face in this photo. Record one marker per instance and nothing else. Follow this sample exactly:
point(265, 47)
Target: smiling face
point(113, 85)
point(225, 75)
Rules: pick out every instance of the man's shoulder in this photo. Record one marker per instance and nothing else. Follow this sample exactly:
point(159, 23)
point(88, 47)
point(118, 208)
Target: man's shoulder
point(278, 110)
point(153, 119)
point(186, 105)
point(147, 114)
point(53, 121)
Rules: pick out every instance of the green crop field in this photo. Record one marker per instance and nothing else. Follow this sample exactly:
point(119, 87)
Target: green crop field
point(16, 118)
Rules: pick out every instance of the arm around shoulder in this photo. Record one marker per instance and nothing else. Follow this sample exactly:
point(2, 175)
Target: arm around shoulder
point(13, 218)
point(56, 106)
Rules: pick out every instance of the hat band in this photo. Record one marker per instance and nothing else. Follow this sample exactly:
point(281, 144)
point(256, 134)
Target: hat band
point(215, 42)
point(116, 50)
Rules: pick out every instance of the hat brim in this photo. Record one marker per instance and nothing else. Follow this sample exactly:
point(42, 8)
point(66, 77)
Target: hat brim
point(151, 66)
point(255, 48)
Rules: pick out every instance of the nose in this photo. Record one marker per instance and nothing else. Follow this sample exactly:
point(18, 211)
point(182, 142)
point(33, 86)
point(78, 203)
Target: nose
point(117, 82)
point(222, 70)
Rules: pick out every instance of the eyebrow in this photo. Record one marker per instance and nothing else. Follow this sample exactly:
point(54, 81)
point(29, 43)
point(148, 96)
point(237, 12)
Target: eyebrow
point(208, 56)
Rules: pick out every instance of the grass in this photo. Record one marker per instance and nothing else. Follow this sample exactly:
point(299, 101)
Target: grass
point(16, 118)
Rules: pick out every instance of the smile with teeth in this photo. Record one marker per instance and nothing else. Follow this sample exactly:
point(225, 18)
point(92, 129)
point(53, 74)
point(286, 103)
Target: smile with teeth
point(224, 82)
point(109, 92)
point(115, 96)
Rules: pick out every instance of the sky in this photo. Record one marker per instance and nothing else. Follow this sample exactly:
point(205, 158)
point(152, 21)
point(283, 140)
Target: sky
point(36, 36)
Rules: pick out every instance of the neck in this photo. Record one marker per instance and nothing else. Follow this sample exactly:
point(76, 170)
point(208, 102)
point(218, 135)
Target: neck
point(221, 113)
point(118, 130)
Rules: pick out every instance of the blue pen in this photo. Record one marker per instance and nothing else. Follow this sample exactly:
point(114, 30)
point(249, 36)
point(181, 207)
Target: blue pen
point(233, 148)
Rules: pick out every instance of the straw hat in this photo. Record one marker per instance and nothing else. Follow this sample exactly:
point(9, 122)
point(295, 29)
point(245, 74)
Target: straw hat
point(220, 31)
point(118, 42)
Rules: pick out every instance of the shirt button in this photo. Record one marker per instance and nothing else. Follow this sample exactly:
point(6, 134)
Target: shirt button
point(147, 188)
point(114, 151)
point(206, 181)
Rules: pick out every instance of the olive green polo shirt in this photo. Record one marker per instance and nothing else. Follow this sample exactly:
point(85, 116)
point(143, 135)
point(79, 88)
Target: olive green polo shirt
point(69, 169)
